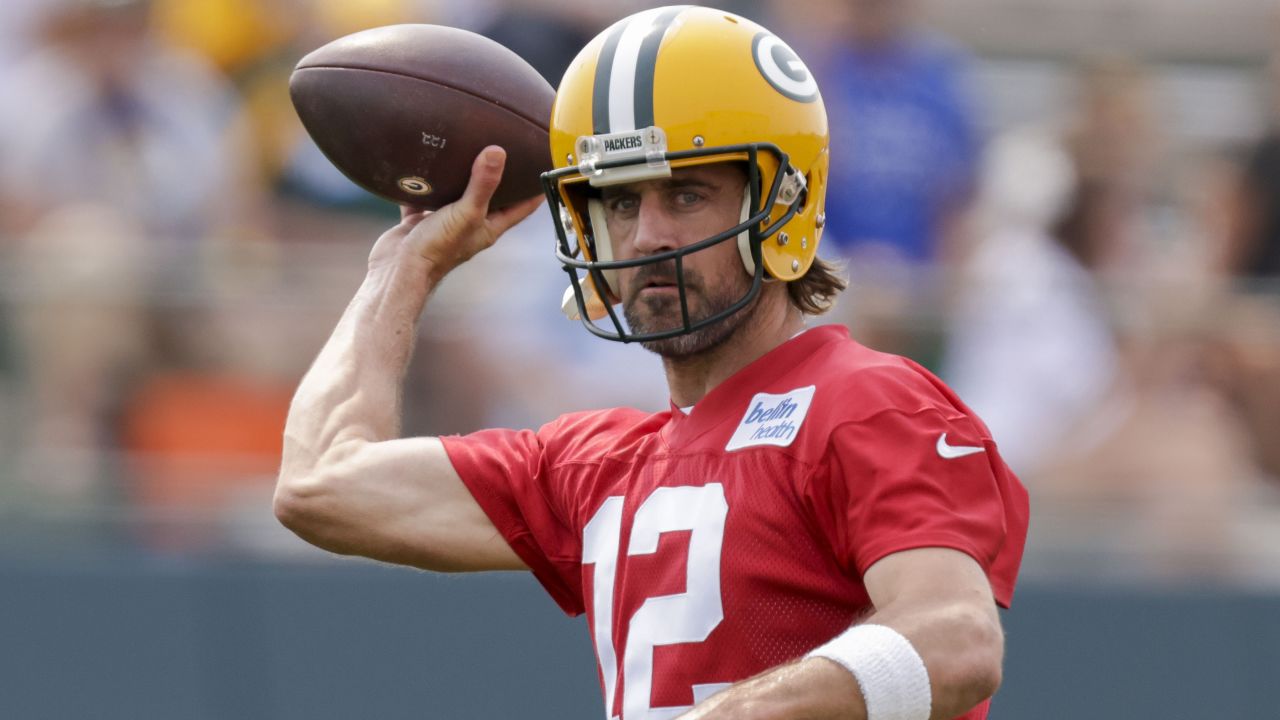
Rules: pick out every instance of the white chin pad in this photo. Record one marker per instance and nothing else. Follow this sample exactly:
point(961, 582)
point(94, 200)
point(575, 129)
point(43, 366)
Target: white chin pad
point(744, 237)
point(595, 306)
point(569, 306)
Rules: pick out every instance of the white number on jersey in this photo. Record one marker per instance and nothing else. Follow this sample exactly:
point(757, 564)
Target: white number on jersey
point(685, 617)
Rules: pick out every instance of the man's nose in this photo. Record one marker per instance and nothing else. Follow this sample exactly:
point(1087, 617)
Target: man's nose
point(657, 231)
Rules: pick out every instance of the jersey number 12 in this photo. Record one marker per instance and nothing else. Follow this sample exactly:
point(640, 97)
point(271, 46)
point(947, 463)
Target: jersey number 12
point(685, 617)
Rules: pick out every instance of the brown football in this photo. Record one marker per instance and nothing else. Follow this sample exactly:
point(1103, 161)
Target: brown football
point(403, 110)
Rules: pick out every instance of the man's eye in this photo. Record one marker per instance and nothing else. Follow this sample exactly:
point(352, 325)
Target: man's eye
point(620, 203)
point(688, 198)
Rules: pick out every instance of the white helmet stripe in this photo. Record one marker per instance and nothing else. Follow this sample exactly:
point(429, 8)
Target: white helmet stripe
point(600, 88)
point(622, 79)
point(647, 65)
point(622, 97)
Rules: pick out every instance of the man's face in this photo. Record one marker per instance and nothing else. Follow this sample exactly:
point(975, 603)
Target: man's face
point(657, 216)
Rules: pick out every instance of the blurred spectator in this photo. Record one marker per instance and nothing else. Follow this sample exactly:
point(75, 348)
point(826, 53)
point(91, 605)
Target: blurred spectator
point(121, 168)
point(202, 429)
point(1114, 383)
point(109, 114)
point(1030, 346)
point(904, 131)
point(1254, 246)
point(1246, 350)
point(1112, 132)
point(18, 19)
point(1253, 241)
point(1138, 462)
point(81, 330)
point(258, 43)
point(904, 149)
point(1160, 471)
point(200, 421)
point(1116, 142)
point(230, 34)
point(1246, 366)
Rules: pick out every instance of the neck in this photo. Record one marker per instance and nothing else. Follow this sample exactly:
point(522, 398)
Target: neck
point(772, 323)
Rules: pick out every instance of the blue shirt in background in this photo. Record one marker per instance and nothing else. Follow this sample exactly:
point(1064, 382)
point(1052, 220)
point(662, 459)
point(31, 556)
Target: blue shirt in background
point(904, 144)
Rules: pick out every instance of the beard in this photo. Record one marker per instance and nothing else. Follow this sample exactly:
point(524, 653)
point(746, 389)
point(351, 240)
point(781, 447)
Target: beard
point(652, 314)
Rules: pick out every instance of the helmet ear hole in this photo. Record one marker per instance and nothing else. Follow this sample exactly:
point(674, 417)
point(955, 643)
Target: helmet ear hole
point(802, 202)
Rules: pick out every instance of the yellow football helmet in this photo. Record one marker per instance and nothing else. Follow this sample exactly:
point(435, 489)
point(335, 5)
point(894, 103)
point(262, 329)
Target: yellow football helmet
point(673, 87)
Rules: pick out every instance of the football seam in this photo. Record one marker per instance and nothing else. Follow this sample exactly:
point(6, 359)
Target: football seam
point(509, 109)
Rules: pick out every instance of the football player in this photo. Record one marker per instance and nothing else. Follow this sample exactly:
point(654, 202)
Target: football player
point(813, 529)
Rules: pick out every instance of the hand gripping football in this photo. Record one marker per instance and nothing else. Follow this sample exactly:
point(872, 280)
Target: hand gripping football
point(403, 110)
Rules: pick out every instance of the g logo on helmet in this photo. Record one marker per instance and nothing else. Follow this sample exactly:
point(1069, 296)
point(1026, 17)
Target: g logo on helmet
point(783, 68)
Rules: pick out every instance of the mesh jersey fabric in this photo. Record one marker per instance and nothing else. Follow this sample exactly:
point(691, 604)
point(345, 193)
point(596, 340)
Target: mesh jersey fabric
point(625, 515)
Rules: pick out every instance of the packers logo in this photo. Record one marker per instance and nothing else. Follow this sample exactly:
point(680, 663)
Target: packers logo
point(415, 185)
point(784, 70)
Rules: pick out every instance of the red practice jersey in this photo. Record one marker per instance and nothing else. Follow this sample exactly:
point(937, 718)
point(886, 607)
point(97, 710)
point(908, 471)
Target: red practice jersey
point(709, 547)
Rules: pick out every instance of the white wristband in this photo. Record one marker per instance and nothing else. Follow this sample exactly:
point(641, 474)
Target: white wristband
point(893, 678)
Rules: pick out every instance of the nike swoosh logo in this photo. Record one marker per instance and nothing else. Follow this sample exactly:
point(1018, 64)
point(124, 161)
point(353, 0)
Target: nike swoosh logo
point(951, 452)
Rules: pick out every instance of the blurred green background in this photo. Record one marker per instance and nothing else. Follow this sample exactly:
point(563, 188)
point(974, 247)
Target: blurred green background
point(1068, 209)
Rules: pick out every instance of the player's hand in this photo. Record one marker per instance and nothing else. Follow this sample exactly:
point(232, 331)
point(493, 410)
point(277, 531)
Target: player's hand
point(442, 240)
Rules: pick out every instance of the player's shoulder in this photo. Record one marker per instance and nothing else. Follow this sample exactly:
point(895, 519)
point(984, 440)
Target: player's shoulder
point(856, 382)
point(591, 435)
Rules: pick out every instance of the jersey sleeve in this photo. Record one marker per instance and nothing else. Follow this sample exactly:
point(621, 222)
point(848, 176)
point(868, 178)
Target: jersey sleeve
point(508, 473)
point(898, 481)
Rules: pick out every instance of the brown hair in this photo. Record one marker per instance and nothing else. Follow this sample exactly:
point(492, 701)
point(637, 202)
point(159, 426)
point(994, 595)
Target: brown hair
point(814, 293)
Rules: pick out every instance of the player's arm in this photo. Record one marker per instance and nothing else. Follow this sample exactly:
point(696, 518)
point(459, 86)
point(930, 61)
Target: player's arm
point(939, 600)
point(347, 483)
